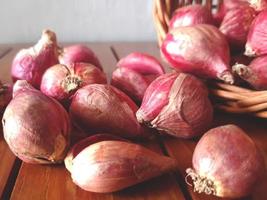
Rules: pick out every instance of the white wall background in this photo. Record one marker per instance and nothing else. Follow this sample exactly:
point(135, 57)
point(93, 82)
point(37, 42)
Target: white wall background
point(77, 20)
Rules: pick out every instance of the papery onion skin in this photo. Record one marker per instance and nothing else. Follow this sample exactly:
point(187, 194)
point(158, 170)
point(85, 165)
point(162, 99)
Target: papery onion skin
point(176, 104)
point(230, 160)
point(110, 166)
point(61, 81)
point(255, 73)
point(236, 24)
point(225, 6)
point(30, 64)
point(82, 144)
point(78, 53)
point(103, 108)
point(191, 15)
point(256, 41)
point(201, 50)
point(36, 127)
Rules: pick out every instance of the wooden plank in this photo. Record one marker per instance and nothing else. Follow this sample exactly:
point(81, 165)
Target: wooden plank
point(54, 182)
point(124, 49)
point(4, 50)
point(7, 158)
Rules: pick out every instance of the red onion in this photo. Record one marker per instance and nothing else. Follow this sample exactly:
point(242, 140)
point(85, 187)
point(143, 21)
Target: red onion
point(103, 108)
point(134, 73)
point(226, 163)
point(30, 64)
point(112, 165)
point(236, 24)
point(201, 50)
point(36, 127)
point(191, 15)
point(176, 104)
point(225, 6)
point(142, 63)
point(5, 96)
point(82, 144)
point(256, 41)
point(78, 53)
point(255, 73)
point(61, 81)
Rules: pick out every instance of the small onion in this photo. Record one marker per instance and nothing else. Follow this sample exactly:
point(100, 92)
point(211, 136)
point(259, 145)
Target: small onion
point(177, 104)
point(226, 163)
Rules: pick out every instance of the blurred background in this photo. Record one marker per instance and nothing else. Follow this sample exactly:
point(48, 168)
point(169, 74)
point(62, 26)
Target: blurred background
point(77, 20)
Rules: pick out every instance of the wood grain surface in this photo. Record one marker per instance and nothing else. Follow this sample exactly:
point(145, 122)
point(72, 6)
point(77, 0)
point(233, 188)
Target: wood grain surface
point(54, 182)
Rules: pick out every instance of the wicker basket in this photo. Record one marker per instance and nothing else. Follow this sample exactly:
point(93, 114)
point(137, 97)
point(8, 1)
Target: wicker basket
point(229, 98)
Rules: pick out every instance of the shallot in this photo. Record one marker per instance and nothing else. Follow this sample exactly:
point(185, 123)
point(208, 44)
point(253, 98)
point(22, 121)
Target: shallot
point(255, 73)
point(191, 15)
point(134, 73)
point(36, 127)
point(177, 104)
point(226, 163)
point(78, 53)
point(78, 147)
point(103, 108)
point(30, 64)
point(109, 166)
point(236, 24)
point(256, 41)
point(61, 81)
point(201, 50)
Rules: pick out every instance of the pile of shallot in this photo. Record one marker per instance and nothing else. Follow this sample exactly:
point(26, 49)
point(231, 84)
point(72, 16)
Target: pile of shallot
point(59, 91)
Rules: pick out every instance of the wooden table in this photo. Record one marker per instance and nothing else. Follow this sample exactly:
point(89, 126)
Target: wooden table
point(19, 180)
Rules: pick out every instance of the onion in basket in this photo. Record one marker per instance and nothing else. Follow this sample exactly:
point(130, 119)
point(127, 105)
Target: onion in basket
point(236, 24)
point(191, 15)
point(255, 73)
point(201, 50)
point(256, 41)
